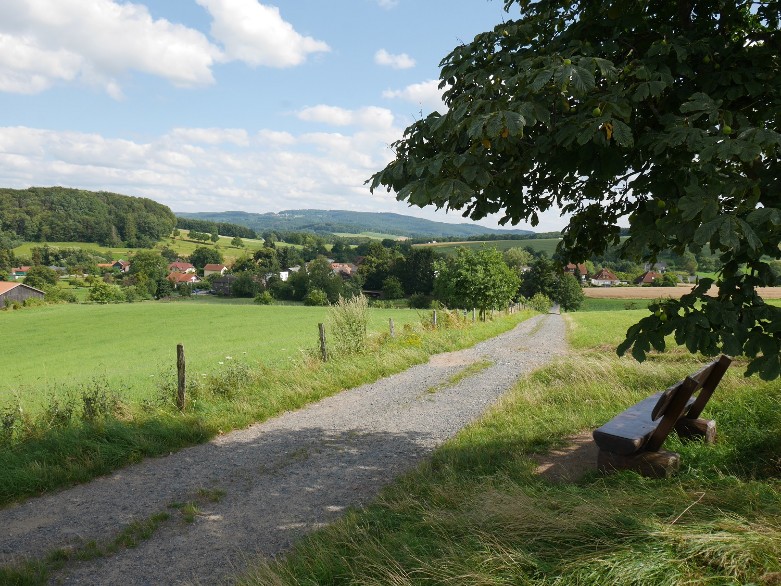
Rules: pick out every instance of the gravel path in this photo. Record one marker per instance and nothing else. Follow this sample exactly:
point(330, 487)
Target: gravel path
point(278, 480)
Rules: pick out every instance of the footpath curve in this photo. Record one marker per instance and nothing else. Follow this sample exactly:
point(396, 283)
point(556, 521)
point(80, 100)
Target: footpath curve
point(277, 480)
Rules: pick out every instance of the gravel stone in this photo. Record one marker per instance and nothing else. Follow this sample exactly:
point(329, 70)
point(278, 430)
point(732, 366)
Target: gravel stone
point(281, 479)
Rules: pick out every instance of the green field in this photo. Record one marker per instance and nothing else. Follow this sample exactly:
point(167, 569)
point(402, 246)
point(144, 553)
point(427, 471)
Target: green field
point(547, 245)
point(62, 347)
point(181, 245)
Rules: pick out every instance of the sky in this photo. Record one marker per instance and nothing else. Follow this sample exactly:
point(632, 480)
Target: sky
point(216, 105)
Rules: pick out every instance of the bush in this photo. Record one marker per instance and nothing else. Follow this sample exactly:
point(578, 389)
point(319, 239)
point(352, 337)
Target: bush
point(392, 289)
point(264, 298)
point(541, 303)
point(420, 301)
point(316, 297)
point(348, 320)
point(101, 292)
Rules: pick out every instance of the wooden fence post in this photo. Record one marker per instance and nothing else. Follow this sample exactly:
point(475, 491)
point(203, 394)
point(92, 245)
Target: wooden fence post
point(435, 319)
point(474, 312)
point(181, 397)
point(323, 349)
point(392, 331)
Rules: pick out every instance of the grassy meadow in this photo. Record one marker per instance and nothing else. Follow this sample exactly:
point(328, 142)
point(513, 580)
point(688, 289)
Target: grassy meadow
point(93, 425)
point(128, 346)
point(480, 513)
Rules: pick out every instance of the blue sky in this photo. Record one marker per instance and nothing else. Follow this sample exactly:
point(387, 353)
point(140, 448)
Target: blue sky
point(212, 105)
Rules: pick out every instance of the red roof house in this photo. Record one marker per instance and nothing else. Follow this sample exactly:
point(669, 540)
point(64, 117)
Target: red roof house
point(647, 278)
point(604, 278)
point(181, 267)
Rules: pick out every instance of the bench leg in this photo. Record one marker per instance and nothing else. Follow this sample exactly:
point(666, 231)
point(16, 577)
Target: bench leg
point(660, 464)
point(704, 429)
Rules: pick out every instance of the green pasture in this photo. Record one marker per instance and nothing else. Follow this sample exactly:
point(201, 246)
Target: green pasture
point(547, 245)
point(128, 345)
point(593, 304)
point(480, 511)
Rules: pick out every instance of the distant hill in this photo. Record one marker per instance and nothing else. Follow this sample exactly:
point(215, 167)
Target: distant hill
point(340, 221)
point(60, 214)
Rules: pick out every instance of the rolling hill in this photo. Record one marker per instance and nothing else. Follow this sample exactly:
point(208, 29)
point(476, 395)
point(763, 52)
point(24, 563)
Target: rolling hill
point(339, 221)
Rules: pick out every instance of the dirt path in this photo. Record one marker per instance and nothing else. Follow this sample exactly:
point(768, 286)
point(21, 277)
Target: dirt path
point(276, 481)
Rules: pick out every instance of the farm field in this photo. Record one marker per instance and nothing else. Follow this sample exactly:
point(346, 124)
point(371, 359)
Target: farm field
point(547, 245)
point(129, 346)
point(641, 293)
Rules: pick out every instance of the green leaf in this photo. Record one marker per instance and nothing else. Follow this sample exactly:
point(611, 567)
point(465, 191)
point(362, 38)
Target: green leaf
point(705, 233)
point(622, 134)
point(690, 206)
point(728, 232)
point(541, 80)
point(582, 80)
point(752, 239)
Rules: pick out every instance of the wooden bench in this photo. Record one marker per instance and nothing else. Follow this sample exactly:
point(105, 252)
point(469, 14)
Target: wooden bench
point(632, 439)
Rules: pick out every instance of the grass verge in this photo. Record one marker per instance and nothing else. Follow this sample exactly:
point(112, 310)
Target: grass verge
point(56, 449)
point(478, 514)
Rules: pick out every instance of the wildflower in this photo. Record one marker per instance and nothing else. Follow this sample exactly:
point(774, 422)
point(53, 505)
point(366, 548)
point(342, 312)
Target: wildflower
point(220, 362)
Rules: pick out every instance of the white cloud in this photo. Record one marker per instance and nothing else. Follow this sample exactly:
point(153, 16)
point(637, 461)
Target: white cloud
point(401, 61)
point(369, 117)
point(43, 42)
point(257, 35)
point(426, 94)
point(387, 4)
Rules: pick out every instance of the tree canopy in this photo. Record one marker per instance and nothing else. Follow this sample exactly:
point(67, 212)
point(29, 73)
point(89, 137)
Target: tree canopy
point(664, 115)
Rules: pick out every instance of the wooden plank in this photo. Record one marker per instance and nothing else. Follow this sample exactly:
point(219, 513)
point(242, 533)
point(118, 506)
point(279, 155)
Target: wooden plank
point(672, 414)
point(709, 385)
point(704, 429)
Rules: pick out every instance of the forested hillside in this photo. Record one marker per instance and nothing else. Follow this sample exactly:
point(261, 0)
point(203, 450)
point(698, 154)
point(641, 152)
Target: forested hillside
point(41, 214)
point(340, 221)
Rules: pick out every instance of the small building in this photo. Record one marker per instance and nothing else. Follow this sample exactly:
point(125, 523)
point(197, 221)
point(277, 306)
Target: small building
point(19, 272)
point(214, 269)
point(183, 278)
point(222, 285)
point(122, 266)
point(604, 278)
point(181, 267)
point(578, 269)
point(647, 278)
point(656, 267)
point(343, 269)
point(17, 292)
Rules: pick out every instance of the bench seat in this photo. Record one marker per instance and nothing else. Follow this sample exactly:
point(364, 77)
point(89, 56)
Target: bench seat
point(630, 430)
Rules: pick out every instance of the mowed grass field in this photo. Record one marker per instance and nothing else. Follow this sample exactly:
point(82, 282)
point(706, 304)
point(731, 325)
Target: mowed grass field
point(129, 346)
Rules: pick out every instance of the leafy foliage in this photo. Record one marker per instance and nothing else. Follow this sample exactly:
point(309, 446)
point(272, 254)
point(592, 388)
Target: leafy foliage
point(665, 113)
point(38, 214)
point(478, 279)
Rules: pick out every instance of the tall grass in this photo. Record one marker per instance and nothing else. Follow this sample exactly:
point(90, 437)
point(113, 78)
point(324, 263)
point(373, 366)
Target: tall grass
point(478, 513)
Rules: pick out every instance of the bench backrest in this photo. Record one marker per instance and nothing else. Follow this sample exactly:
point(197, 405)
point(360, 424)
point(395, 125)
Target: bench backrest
point(672, 405)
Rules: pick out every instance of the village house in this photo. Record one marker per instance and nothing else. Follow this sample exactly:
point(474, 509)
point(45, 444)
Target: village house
point(181, 267)
point(647, 278)
point(183, 278)
point(122, 266)
point(17, 292)
point(19, 272)
point(214, 269)
point(222, 285)
point(656, 267)
point(604, 278)
point(577, 270)
point(344, 270)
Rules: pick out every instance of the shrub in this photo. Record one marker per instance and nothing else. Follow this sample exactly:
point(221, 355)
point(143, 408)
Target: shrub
point(348, 320)
point(541, 303)
point(420, 301)
point(392, 289)
point(316, 297)
point(264, 298)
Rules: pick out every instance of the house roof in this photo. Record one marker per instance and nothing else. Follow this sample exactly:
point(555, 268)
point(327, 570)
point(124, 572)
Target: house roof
point(570, 268)
point(212, 267)
point(605, 275)
point(6, 286)
point(648, 277)
point(180, 265)
point(20, 269)
point(183, 278)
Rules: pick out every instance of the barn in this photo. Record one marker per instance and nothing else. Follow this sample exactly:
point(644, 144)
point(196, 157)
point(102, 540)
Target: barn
point(19, 292)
